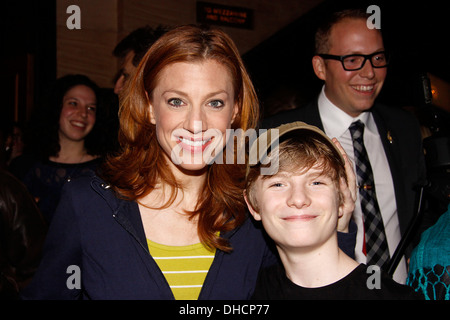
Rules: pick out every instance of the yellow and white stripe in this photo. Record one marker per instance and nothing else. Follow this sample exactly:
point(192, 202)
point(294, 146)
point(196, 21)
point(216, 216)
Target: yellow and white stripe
point(184, 267)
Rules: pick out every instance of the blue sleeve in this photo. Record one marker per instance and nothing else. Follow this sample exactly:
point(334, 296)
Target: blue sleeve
point(347, 241)
point(54, 278)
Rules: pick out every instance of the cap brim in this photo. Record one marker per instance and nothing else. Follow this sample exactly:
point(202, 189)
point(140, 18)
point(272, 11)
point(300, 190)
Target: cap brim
point(261, 146)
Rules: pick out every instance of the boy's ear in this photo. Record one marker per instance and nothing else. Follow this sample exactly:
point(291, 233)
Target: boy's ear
point(341, 210)
point(252, 210)
point(346, 206)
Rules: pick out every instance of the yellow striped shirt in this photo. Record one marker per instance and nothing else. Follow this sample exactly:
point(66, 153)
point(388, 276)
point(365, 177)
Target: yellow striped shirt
point(184, 267)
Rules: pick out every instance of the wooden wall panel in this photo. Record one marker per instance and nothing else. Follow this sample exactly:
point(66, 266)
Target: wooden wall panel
point(269, 16)
point(88, 50)
point(105, 22)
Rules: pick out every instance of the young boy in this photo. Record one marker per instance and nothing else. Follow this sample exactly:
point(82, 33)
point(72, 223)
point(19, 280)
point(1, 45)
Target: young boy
point(299, 206)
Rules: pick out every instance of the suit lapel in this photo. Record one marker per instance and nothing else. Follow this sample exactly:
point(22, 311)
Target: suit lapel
point(390, 140)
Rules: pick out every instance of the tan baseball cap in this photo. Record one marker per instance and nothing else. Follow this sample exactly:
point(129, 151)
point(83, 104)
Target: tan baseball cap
point(270, 138)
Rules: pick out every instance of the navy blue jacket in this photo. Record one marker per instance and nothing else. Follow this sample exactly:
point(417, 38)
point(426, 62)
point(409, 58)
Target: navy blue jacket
point(104, 237)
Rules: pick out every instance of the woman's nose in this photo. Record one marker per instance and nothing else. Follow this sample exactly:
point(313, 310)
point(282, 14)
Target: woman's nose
point(83, 111)
point(195, 120)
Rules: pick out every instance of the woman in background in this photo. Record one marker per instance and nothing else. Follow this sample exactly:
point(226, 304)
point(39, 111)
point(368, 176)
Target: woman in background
point(63, 142)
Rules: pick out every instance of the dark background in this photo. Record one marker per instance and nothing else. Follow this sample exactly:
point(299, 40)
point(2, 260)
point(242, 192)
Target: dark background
point(416, 34)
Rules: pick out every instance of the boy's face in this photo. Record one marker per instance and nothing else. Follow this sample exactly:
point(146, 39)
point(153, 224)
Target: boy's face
point(298, 210)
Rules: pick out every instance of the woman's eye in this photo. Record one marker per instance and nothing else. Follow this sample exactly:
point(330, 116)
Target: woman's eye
point(175, 102)
point(216, 103)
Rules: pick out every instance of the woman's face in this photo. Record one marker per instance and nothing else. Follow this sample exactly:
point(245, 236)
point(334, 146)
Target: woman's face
point(77, 116)
point(192, 106)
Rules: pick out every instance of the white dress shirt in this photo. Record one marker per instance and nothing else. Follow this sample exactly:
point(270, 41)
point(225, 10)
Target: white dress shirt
point(336, 123)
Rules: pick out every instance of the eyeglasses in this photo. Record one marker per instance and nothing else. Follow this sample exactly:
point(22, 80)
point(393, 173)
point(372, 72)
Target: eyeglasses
point(353, 62)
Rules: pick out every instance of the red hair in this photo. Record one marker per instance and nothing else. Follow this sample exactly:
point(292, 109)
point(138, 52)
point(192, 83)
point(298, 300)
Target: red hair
point(141, 164)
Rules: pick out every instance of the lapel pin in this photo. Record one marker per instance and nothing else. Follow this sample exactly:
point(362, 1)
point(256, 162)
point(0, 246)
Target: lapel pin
point(389, 137)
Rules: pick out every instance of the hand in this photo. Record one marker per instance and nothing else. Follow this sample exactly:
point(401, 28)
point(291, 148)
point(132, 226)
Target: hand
point(348, 191)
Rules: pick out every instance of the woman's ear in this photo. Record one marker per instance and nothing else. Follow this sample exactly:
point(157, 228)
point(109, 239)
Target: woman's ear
point(152, 115)
point(151, 110)
point(235, 112)
point(319, 67)
point(252, 210)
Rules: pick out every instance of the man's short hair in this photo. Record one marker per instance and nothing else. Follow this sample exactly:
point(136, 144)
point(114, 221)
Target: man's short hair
point(139, 41)
point(322, 36)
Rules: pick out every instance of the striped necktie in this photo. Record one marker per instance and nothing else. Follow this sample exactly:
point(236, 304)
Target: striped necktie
point(377, 251)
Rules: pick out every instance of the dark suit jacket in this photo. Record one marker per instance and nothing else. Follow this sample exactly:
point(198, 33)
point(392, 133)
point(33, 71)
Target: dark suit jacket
point(402, 142)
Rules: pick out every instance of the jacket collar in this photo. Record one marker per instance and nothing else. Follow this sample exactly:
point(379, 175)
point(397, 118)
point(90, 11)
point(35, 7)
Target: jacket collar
point(126, 213)
point(105, 191)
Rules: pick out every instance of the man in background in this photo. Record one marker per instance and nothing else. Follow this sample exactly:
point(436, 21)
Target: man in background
point(131, 50)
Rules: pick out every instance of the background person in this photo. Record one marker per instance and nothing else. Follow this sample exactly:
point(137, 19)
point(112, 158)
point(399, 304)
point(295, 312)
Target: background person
point(22, 235)
point(130, 51)
point(64, 141)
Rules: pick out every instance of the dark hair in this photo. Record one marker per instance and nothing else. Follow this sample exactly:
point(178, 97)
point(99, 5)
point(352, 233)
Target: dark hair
point(41, 136)
point(138, 41)
point(322, 36)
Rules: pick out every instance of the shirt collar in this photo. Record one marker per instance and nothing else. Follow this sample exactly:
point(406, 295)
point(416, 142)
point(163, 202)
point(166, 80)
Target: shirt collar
point(335, 121)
